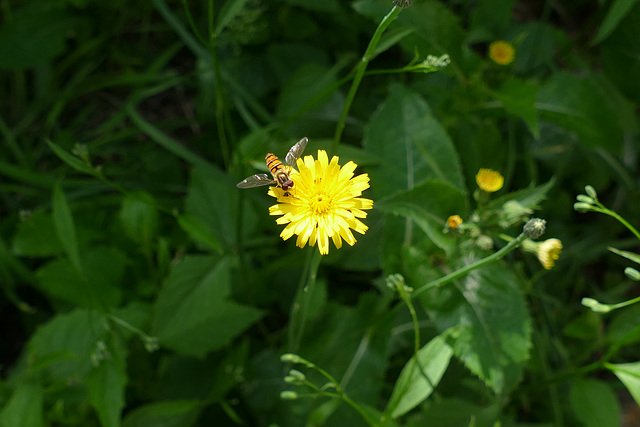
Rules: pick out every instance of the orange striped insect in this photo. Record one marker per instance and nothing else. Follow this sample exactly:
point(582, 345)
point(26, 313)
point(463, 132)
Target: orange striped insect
point(279, 172)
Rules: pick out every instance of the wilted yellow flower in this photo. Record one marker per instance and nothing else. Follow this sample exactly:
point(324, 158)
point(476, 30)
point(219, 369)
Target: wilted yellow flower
point(489, 180)
point(502, 52)
point(454, 221)
point(549, 252)
point(323, 203)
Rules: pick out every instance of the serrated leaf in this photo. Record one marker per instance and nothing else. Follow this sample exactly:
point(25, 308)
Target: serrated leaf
point(211, 199)
point(529, 198)
point(36, 236)
point(34, 36)
point(193, 313)
point(492, 325)
point(578, 105)
point(169, 413)
point(412, 387)
point(428, 205)
point(98, 287)
point(65, 227)
point(24, 408)
point(198, 230)
point(629, 374)
point(227, 13)
point(594, 403)
point(518, 98)
point(70, 159)
point(617, 11)
point(106, 384)
point(411, 144)
point(66, 343)
point(139, 217)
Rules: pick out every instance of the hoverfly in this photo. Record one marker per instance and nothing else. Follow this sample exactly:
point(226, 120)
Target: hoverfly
point(279, 171)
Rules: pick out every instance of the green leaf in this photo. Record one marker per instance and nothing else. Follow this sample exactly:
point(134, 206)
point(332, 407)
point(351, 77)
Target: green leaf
point(66, 343)
point(428, 205)
point(200, 232)
point(212, 199)
point(626, 254)
point(65, 227)
point(169, 413)
point(193, 313)
point(412, 387)
point(139, 217)
point(594, 403)
point(411, 144)
point(518, 98)
point(36, 236)
point(24, 408)
point(34, 35)
point(71, 160)
point(98, 288)
point(227, 13)
point(619, 57)
point(106, 383)
point(629, 375)
point(617, 11)
point(577, 104)
point(529, 198)
point(305, 83)
point(492, 328)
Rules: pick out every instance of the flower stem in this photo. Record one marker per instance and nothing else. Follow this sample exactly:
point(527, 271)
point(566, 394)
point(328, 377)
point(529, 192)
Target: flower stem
point(369, 54)
point(299, 308)
point(467, 269)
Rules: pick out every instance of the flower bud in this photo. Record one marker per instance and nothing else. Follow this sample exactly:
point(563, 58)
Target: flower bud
point(535, 228)
point(596, 306)
point(582, 207)
point(584, 199)
point(288, 395)
point(632, 274)
point(591, 192)
point(292, 358)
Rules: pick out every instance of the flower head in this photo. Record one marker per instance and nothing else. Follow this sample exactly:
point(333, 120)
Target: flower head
point(489, 180)
point(323, 203)
point(454, 221)
point(501, 52)
point(549, 252)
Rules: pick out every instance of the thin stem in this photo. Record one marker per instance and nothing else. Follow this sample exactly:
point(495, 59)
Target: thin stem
point(299, 308)
point(466, 269)
point(362, 67)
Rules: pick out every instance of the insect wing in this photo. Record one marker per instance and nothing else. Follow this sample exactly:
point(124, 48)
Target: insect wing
point(257, 180)
point(295, 152)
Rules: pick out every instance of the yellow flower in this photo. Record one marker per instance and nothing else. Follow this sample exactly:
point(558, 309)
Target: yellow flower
point(323, 203)
point(489, 180)
point(549, 252)
point(454, 221)
point(502, 52)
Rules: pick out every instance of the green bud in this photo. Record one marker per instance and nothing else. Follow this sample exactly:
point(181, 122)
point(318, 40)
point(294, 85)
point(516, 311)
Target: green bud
point(632, 274)
point(582, 207)
point(584, 199)
point(591, 192)
point(291, 380)
point(403, 4)
point(595, 306)
point(535, 228)
point(288, 395)
point(297, 374)
point(484, 242)
point(292, 358)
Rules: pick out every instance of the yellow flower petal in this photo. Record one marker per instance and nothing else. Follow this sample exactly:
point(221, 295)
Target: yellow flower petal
point(323, 204)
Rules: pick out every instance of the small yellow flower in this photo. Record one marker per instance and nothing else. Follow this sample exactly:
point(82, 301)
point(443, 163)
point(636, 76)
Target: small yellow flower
point(502, 52)
point(323, 203)
point(454, 221)
point(489, 180)
point(549, 252)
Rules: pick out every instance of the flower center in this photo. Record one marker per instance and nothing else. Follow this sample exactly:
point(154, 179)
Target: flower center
point(320, 204)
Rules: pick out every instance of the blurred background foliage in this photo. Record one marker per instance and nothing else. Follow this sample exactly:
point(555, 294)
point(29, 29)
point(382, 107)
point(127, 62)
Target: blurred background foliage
point(140, 287)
